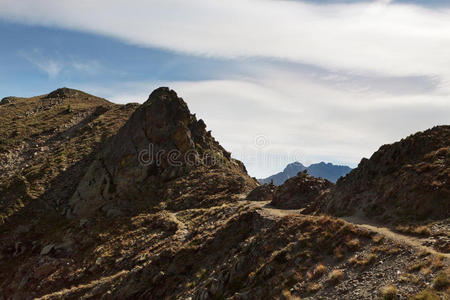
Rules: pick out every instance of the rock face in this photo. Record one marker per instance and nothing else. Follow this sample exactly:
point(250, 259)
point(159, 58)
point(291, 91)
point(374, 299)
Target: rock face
point(299, 191)
point(154, 159)
point(325, 170)
point(408, 179)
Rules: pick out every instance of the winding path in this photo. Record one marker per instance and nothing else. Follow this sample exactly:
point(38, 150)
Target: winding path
point(413, 242)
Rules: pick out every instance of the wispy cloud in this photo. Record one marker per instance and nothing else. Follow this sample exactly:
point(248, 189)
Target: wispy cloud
point(55, 64)
point(47, 65)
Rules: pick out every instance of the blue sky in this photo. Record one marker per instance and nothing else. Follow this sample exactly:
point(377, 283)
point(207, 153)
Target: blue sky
point(276, 81)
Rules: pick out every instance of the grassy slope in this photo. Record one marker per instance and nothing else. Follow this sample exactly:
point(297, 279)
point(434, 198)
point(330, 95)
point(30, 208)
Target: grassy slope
point(49, 142)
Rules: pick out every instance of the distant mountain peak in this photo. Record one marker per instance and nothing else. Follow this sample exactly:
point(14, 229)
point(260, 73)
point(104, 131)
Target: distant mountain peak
point(324, 170)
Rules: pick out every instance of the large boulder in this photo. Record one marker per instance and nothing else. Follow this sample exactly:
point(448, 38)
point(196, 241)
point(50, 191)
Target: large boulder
point(300, 191)
point(263, 192)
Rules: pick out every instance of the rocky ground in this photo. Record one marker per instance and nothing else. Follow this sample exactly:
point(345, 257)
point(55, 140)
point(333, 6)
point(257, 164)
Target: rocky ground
point(82, 218)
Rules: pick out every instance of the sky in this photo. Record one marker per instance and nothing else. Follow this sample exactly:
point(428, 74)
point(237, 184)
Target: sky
point(276, 81)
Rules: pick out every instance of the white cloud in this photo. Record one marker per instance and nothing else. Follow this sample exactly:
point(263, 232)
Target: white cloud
point(379, 37)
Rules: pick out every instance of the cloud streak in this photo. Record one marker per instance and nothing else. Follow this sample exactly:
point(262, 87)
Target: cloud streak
point(376, 37)
point(55, 65)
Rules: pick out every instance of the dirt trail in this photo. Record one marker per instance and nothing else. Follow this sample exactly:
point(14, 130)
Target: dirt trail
point(411, 241)
point(182, 231)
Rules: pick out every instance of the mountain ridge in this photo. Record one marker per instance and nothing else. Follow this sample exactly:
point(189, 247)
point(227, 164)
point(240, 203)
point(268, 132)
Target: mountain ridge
point(324, 170)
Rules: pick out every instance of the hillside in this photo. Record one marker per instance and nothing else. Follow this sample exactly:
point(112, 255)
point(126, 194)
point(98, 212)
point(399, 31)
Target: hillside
point(47, 143)
point(141, 202)
point(408, 179)
point(404, 185)
point(326, 171)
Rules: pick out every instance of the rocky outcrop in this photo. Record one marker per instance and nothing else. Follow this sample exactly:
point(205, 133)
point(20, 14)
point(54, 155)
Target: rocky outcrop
point(300, 191)
point(263, 192)
point(8, 100)
point(155, 159)
point(407, 180)
point(63, 93)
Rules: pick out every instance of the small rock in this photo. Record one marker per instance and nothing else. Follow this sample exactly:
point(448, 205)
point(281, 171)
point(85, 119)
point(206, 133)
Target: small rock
point(47, 249)
point(65, 246)
point(99, 261)
point(83, 222)
point(113, 213)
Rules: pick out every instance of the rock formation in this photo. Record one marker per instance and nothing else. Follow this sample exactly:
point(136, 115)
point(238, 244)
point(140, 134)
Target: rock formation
point(151, 157)
point(263, 192)
point(406, 180)
point(300, 191)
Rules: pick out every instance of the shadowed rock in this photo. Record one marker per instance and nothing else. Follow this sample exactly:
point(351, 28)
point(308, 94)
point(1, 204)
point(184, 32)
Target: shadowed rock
point(161, 142)
point(8, 100)
point(299, 191)
point(262, 193)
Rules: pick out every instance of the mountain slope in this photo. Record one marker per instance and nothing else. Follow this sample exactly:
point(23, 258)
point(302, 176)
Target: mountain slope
point(408, 179)
point(47, 143)
point(101, 220)
point(326, 171)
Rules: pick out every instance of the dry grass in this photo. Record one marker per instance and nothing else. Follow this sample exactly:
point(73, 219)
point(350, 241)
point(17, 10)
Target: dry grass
point(353, 244)
point(339, 252)
point(426, 295)
point(377, 238)
point(419, 230)
point(425, 271)
point(389, 292)
point(314, 287)
point(437, 262)
point(335, 276)
point(288, 296)
point(319, 270)
point(409, 278)
point(441, 281)
point(433, 263)
point(370, 259)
